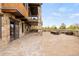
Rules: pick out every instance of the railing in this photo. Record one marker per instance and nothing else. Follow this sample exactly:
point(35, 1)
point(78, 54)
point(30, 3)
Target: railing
point(36, 27)
point(33, 19)
point(18, 6)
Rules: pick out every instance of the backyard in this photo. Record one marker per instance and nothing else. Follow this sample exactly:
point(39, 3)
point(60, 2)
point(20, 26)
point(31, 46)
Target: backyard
point(42, 45)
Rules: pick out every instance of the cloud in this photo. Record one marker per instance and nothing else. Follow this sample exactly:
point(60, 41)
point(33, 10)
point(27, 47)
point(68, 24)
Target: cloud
point(57, 14)
point(74, 15)
point(65, 9)
point(53, 16)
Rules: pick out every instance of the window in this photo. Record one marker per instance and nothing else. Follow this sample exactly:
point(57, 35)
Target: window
point(33, 11)
point(24, 4)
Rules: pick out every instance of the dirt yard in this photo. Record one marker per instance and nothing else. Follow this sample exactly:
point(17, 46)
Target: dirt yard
point(47, 44)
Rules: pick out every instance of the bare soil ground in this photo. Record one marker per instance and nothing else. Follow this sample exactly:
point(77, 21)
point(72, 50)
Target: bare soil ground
point(47, 44)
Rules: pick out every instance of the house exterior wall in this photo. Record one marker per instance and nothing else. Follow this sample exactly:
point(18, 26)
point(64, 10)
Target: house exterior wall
point(5, 30)
point(21, 26)
point(20, 29)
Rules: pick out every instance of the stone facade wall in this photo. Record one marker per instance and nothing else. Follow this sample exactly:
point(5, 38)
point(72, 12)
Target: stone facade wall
point(27, 28)
point(5, 30)
point(24, 27)
point(20, 28)
point(39, 20)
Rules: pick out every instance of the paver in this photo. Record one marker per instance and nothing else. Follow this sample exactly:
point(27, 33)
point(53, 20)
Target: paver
point(34, 44)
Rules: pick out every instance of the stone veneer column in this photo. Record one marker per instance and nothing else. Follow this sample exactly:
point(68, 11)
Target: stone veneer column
point(39, 16)
point(5, 30)
point(20, 29)
point(39, 20)
point(24, 27)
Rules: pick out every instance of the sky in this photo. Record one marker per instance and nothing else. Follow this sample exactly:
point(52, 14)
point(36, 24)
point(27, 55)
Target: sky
point(58, 13)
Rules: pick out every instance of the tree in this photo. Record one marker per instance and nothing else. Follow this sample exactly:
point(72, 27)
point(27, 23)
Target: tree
point(63, 26)
point(76, 26)
point(53, 27)
point(73, 27)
